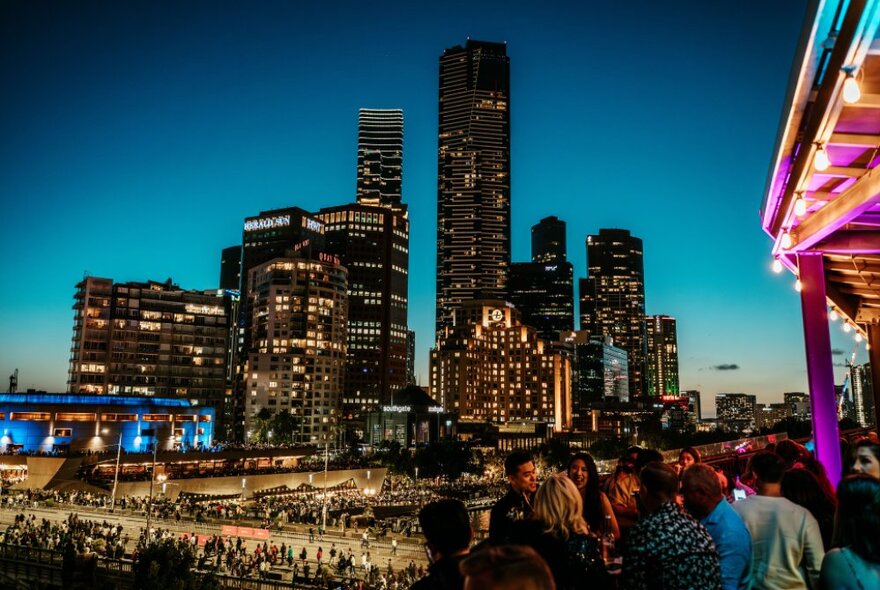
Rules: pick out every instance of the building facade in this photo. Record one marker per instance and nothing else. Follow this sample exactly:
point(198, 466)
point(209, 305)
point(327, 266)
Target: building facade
point(489, 367)
point(380, 157)
point(230, 268)
point(662, 362)
point(548, 240)
point(767, 415)
point(799, 403)
point(411, 357)
point(298, 342)
point(544, 294)
point(372, 242)
point(473, 175)
point(149, 339)
point(736, 411)
point(863, 393)
point(612, 298)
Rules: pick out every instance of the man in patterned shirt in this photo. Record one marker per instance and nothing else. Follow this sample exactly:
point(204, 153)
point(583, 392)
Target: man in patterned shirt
point(668, 549)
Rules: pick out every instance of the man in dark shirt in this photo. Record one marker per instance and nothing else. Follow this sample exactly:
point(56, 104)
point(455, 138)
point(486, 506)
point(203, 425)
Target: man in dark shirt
point(667, 549)
point(448, 532)
point(517, 504)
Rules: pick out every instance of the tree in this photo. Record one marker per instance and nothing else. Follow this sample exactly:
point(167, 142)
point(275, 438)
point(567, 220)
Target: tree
point(449, 458)
point(284, 426)
point(262, 426)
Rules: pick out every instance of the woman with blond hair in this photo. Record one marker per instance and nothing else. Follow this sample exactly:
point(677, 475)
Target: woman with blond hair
point(558, 532)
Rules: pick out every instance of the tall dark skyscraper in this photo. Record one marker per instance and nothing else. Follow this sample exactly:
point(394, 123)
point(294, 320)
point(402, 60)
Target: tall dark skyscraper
point(613, 298)
point(662, 344)
point(548, 240)
point(230, 268)
point(380, 156)
point(543, 290)
point(372, 242)
point(473, 176)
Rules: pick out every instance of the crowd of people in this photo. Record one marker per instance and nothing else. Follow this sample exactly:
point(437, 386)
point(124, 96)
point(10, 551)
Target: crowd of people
point(779, 523)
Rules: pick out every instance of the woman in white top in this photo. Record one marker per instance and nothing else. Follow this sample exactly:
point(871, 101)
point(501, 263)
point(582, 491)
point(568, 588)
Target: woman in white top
point(855, 563)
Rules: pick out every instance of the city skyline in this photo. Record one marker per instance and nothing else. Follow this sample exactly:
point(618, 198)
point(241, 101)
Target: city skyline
point(150, 131)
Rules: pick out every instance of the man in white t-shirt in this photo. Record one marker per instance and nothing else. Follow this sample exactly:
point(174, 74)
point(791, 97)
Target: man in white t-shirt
point(787, 548)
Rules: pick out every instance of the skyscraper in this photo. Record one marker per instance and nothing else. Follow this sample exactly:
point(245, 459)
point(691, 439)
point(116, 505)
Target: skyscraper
point(863, 393)
point(662, 356)
point(736, 411)
point(230, 268)
point(380, 156)
point(543, 290)
point(473, 176)
point(372, 242)
point(298, 334)
point(548, 240)
point(613, 297)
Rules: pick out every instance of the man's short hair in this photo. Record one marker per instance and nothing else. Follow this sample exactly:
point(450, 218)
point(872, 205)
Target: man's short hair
point(515, 459)
point(700, 476)
point(446, 526)
point(768, 467)
point(648, 456)
point(660, 480)
point(508, 567)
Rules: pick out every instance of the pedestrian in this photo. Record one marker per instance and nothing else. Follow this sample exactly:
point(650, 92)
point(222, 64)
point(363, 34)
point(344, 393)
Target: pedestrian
point(393, 546)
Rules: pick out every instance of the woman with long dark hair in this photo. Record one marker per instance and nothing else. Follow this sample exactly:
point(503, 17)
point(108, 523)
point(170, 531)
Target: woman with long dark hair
point(855, 562)
point(597, 508)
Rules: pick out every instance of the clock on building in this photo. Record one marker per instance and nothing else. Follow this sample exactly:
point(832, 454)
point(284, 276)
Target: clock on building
point(496, 315)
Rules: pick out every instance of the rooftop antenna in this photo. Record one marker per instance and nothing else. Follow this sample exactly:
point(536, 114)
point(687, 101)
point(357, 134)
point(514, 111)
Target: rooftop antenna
point(13, 382)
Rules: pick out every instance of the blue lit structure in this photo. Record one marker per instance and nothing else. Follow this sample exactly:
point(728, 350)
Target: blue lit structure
point(58, 422)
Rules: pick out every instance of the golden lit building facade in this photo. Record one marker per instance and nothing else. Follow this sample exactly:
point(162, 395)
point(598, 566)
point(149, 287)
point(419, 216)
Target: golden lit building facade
point(489, 367)
point(297, 357)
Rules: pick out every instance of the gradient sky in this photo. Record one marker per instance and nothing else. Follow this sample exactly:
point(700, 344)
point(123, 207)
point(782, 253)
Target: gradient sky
point(136, 136)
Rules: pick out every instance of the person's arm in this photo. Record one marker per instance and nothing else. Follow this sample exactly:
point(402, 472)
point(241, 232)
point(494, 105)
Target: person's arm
point(608, 511)
point(835, 573)
point(814, 550)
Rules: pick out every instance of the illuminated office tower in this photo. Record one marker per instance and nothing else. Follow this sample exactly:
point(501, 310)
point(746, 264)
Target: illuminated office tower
point(373, 244)
point(380, 156)
point(151, 339)
point(863, 393)
point(488, 367)
point(543, 290)
point(548, 240)
point(298, 339)
point(612, 298)
point(662, 356)
point(230, 268)
point(736, 411)
point(473, 177)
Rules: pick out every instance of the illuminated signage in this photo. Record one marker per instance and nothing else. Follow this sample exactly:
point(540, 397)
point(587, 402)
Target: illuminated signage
point(330, 258)
point(313, 225)
point(435, 409)
point(267, 222)
point(204, 309)
point(396, 409)
point(497, 315)
point(550, 268)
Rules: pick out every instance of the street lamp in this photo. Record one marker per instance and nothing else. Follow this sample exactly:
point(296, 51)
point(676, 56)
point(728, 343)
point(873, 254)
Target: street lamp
point(243, 487)
point(115, 471)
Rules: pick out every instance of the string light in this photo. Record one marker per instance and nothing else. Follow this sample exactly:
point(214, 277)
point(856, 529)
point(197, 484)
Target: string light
point(798, 286)
point(846, 327)
point(833, 315)
point(858, 337)
point(821, 162)
point(800, 207)
point(851, 90)
point(786, 240)
point(777, 266)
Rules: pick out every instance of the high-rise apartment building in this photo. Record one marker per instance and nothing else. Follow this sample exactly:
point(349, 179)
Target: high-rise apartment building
point(372, 242)
point(863, 393)
point(548, 240)
point(473, 177)
point(150, 339)
point(694, 404)
point(296, 361)
point(767, 415)
point(380, 157)
point(736, 411)
point(662, 356)
point(543, 290)
point(489, 367)
point(799, 403)
point(612, 298)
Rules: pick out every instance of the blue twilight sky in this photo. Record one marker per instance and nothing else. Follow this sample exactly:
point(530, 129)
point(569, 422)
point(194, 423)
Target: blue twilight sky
point(137, 135)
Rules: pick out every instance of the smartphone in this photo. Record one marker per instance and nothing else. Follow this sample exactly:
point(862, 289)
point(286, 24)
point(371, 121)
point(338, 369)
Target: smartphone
point(738, 494)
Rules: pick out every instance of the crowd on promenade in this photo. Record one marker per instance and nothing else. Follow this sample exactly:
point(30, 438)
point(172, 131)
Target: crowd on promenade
point(773, 522)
